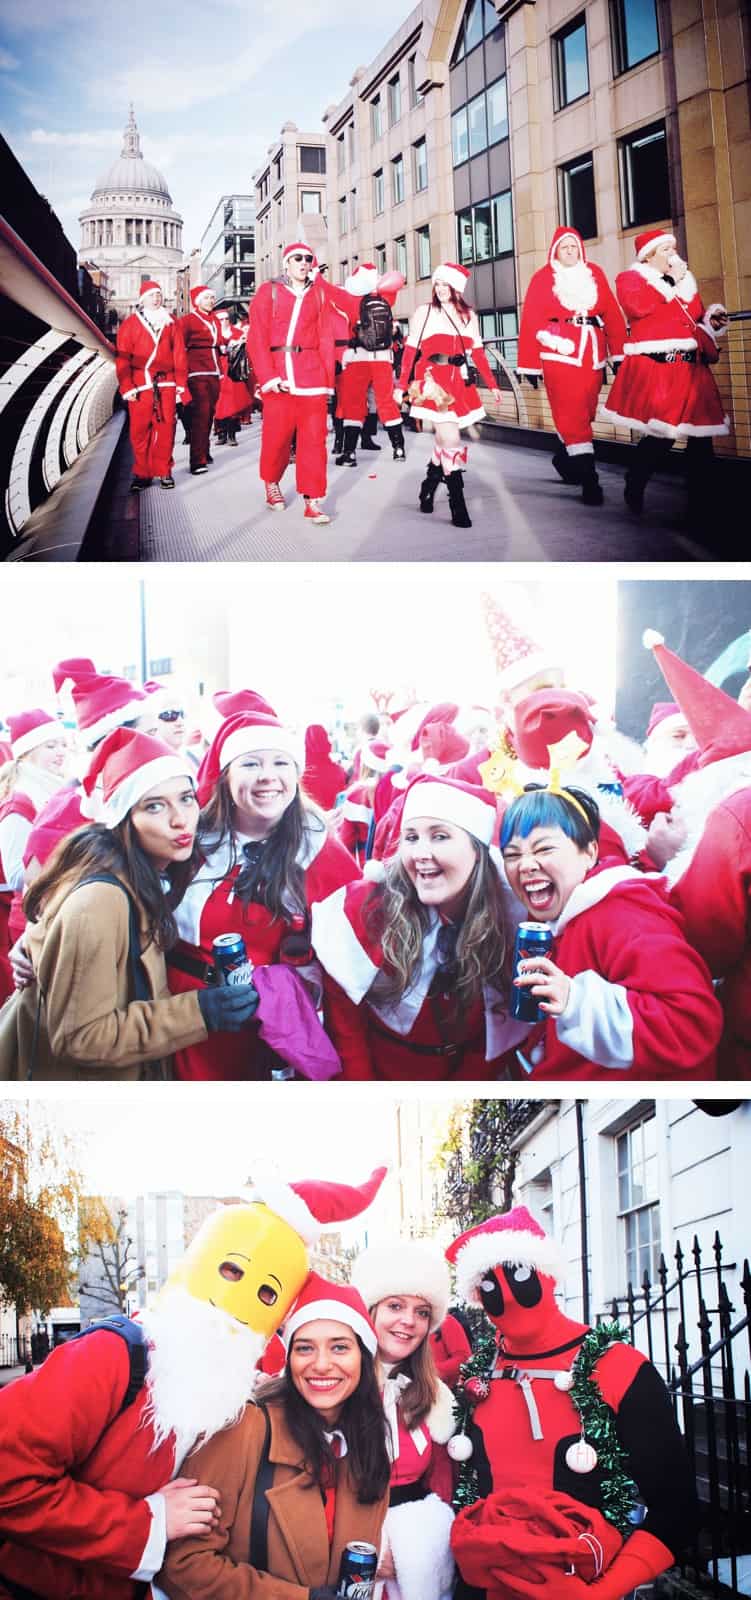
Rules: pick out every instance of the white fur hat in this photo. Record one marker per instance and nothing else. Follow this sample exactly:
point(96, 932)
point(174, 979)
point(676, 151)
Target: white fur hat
point(408, 1266)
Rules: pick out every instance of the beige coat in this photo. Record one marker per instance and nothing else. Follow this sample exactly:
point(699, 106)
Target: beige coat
point(216, 1565)
point(90, 1026)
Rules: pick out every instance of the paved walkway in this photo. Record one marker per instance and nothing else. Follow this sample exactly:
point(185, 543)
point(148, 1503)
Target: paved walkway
point(519, 508)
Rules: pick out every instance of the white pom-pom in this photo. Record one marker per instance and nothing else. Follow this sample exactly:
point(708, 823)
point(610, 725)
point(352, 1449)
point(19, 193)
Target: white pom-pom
point(650, 638)
point(374, 871)
point(460, 1447)
point(581, 1457)
point(563, 1381)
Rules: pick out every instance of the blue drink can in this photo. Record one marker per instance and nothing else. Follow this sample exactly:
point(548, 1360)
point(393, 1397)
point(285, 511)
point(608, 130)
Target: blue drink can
point(231, 959)
point(532, 939)
point(357, 1571)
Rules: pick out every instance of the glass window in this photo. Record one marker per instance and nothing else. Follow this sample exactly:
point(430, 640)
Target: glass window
point(397, 180)
point(312, 158)
point(497, 111)
point(645, 180)
point(340, 153)
point(473, 24)
point(395, 100)
point(465, 239)
point(509, 322)
point(376, 117)
point(638, 1203)
point(351, 140)
point(459, 136)
point(634, 32)
point(378, 194)
point(353, 210)
point(503, 224)
point(415, 98)
point(380, 257)
point(343, 213)
point(478, 130)
point(400, 255)
point(490, 17)
point(570, 69)
point(420, 165)
point(483, 231)
point(310, 200)
point(422, 235)
point(576, 196)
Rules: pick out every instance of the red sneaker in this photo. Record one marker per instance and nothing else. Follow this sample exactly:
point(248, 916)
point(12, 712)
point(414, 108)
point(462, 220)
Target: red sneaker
point(315, 513)
point(274, 497)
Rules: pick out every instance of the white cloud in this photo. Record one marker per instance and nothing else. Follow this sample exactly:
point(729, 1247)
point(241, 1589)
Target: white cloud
point(8, 63)
point(98, 139)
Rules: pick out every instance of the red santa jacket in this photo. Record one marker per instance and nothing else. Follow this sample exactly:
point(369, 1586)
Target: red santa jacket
point(554, 330)
point(146, 356)
point(641, 1002)
point(714, 897)
point(354, 819)
point(450, 1347)
point(292, 336)
point(74, 1474)
point(663, 316)
point(202, 336)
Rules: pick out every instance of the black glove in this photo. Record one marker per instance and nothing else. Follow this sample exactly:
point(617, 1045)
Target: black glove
point(327, 1592)
point(532, 378)
point(227, 1008)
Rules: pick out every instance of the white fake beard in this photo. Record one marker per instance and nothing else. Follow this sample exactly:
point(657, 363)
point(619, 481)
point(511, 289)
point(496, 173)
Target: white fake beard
point(156, 316)
point(202, 1369)
point(575, 287)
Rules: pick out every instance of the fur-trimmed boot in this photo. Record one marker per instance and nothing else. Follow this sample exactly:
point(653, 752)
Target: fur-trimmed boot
point(430, 482)
point(592, 494)
point(459, 513)
point(347, 457)
point(396, 435)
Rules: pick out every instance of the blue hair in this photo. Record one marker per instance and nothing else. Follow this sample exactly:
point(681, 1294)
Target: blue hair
point(538, 808)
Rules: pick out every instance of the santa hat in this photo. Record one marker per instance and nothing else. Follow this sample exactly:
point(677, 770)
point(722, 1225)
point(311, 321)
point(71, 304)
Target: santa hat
point(148, 286)
point(448, 800)
point(126, 765)
point(376, 754)
point(545, 718)
point(457, 277)
point(645, 243)
point(229, 702)
point(404, 1266)
point(29, 729)
point(516, 1236)
point(56, 820)
point(70, 670)
point(558, 238)
point(442, 711)
point(201, 288)
point(719, 725)
point(239, 736)
point(517, 656)
point(662, 711)
point(364, 279)
point(441, 744)
point(102, 703)
point(312, 1204)
point(299, 247)
point(330, 1302)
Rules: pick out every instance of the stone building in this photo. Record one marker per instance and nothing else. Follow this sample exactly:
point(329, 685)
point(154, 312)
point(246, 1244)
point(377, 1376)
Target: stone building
point(290, 196)
point(131, 229)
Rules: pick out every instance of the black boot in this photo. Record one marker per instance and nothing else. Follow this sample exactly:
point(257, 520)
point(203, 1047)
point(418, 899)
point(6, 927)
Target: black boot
point(565, 465)
point(396, 435)
point(338, 436)
point(347, 458)
point(459, 513)
point(646, 458)
point(368, 432)
point(592, 494)
point(430, 482)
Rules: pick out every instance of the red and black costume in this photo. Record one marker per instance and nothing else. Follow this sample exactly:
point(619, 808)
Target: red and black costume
point(202, 336)
point(152, 374)
point(291, 339)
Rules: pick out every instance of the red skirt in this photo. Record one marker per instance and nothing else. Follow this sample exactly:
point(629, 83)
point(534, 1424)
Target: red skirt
point(464, 403)
point(670, 399)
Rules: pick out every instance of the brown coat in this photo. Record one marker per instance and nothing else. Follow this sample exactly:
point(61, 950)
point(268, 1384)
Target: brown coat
point(216, 1564)
point(90, 1026)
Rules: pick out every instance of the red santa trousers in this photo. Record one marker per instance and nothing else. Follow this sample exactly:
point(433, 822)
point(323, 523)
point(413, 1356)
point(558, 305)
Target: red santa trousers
point(152, 433)
point(204, 393)
point(305, 415)
point(573, 393)
point(353, 393)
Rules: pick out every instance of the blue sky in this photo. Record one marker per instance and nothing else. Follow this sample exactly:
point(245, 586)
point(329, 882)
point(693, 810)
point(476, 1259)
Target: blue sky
point(211, 85)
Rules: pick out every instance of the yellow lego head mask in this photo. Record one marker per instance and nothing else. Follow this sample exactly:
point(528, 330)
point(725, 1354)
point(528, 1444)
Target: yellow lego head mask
point(251, 1260)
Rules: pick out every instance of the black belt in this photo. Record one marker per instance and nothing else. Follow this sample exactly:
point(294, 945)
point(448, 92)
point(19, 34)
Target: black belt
point(672, 355)
point(294, 349)
point(195, 967)
point(404, 1493)
point(585, 322)
point(446, 361)
point(342, 344)
point(428, 1049)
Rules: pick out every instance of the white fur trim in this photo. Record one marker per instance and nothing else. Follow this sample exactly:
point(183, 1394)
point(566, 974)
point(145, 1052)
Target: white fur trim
point(500, 1248)
point(289, 1206)
point(650, 639)
point(243, 741)
point(330, 1311)
point(133, 788)
point(36, 736)
point(452, 805)
point(687, 287)
point(406, 1266)
point(580, 449)
point(374, 870)
point(622, 816)
point(698, 794)
point(651, 275)
point(665, 430)
point(441, 1421)
point(419, 1536)
point(114, 719)
point(713, 311)
point(654, 244)
point(522, 667)
point(645, 347)
point(356, 813)
point(456, 279)
point(553, 341)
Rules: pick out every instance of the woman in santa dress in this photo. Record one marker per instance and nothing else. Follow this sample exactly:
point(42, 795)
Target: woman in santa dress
point(406, 1288)
point(152, 372)
point(418, 964)
point(664, 389)
point(267, 858)
point(443, 348)
point(235, 397)
point(39, 751)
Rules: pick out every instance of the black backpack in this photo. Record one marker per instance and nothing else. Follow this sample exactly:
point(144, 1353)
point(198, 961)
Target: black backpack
point(375, 328)
point(138, 1351)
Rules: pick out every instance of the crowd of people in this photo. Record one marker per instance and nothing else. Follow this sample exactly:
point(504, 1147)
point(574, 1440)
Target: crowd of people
point(261, 1427)
point(309, 347)
point(376, 899)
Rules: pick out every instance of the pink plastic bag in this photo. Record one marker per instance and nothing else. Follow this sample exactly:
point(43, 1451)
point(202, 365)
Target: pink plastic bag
point(289, 1024)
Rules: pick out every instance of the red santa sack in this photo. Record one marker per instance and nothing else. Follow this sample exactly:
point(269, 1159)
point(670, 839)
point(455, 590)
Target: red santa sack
point(516, 1544)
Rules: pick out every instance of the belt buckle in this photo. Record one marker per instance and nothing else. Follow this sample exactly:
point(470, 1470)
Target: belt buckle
point(671, 356)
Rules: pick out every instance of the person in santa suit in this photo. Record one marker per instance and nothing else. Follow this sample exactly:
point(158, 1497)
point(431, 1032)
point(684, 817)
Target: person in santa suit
point(39, 751)
point(531, 1446)
point(152, 374)
point(267, 857)
point(711, 875)
point(323, 778)
point(664, 389)
point(234, 397)
point(369, 359)
point(202, 336)
point(626, 995)
point(571, 326)
point(92, 1444)
point(417, 963)
point(356, 817)
point(443, 361)
point(405, 1285)
point(291, 345)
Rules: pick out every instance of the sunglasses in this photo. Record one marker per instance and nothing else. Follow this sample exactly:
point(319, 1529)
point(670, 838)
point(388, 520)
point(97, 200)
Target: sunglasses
point(307, 259)
point(170, 716)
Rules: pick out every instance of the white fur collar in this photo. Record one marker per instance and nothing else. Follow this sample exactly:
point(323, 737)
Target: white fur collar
point(698, 794)
point(440, 1421)
point(595, 889)
point(685, 290)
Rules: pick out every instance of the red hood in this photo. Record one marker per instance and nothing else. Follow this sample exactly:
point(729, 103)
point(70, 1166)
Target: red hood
point(317, 743)
point(562, 233)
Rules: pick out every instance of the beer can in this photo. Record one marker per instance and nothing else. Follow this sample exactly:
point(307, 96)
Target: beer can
point(532, 939)
point(283, 1074)
point(231, 959)
point(357, 1571)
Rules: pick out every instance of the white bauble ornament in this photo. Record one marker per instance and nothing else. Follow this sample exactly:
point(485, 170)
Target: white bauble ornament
point(563, 1381)
point(581, 1457)
point(460, 1447)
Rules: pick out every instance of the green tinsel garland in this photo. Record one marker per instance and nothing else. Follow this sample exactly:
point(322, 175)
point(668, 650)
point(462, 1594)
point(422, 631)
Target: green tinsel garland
point(618, 1490)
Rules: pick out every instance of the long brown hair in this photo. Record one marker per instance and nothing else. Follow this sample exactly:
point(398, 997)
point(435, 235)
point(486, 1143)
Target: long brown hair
point(360, 1420)
point(275, 879)
point(95, 849)
point(458, 302)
